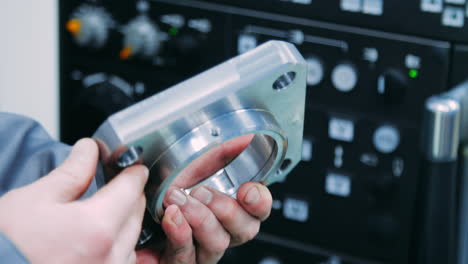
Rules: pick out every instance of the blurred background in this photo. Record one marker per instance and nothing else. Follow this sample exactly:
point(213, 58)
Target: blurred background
point(29, 67)
point(383, 176)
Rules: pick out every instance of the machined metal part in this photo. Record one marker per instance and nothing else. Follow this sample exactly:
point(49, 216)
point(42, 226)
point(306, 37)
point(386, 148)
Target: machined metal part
point(442, 127)
point(260, 93)
point(459, 143)
point(460, 94)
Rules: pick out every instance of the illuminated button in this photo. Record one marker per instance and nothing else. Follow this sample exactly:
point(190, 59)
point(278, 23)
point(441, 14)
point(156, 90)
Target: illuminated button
point(453, 17)
point(373, 7)
point(456, 2)
point(341, 129)
point(433, 6)
point(344, 77)
point(296, 210)
point(314, 71)
point(338, 185)
point(351, 5)
point(386, 139)
point(246, 43)
point(74, 26)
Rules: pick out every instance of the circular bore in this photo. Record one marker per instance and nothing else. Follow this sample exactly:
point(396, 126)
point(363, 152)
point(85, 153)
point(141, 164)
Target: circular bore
point(284, 81)
point(129, 157)
point(260, 159)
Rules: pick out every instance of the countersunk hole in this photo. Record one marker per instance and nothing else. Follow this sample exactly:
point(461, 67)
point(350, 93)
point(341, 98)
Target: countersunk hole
point(285, 165)
point(129, 157)
point(215, 132)
point(284, 81)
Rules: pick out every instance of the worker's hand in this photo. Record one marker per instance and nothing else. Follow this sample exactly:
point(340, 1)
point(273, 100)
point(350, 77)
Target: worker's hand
point(49, 225)
point(202, 225)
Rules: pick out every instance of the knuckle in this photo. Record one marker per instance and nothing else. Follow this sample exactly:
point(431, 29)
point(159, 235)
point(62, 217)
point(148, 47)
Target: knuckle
point(70, 177)
point(100, 239)
point(220, 248)
point(248, 234)
point(183, 256)
point(202, 221)
point(229, 211)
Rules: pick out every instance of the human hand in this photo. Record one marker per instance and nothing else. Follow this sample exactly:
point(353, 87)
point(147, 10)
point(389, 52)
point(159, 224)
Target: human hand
point(49, 225)
point(202, 225)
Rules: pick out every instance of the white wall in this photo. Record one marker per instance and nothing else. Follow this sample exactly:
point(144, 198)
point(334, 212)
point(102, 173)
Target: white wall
point(29, 60)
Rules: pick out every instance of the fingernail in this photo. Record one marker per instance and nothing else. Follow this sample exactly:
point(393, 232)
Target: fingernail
point(253, 195)
point(177, 217)
point(177, 197)
point(202, 194)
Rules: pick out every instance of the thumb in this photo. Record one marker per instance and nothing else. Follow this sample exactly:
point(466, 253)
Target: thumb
point(71, 179)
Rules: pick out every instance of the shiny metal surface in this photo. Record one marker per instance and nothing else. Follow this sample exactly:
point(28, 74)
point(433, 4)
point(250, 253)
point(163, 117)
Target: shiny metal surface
point(259, 93)
point(442, 126)
point(460, 94)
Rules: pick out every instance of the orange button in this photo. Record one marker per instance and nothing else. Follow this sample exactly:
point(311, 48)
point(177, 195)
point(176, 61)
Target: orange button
point(74, 26)
point(125, 53)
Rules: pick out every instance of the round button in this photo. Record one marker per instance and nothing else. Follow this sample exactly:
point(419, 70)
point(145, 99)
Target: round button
point(314, 71)
point(344, 77)
point(386, 139)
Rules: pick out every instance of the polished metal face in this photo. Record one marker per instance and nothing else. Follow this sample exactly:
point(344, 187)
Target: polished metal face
point(237, 122)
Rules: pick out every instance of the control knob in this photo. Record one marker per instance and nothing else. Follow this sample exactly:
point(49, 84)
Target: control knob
point(392, 86)
point(141, 37)
point(90, 26)
point(101, 96)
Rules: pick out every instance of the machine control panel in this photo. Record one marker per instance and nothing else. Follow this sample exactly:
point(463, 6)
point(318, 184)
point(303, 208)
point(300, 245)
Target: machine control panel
point(353, 198)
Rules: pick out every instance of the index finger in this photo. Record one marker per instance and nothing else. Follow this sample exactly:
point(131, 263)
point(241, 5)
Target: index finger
point(118, 198)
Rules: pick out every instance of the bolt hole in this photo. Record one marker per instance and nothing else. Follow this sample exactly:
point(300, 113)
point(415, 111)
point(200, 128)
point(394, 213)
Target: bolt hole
point(129, 157)
point(284, 166)
point(215, 132)
point(284, 81)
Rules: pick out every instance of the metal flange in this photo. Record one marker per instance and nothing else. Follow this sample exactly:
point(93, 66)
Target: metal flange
point(260, 93)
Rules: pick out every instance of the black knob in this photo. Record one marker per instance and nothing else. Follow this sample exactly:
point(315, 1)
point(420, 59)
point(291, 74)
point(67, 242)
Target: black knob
point(98, 101)
point(105, 98)
point(392, 86)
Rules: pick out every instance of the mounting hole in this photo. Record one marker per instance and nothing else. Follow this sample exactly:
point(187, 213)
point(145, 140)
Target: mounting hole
point(284, 81)
point(215, 132)
point(129, 157)
point(285, 165)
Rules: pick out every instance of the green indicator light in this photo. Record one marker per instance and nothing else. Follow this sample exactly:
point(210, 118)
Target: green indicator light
point(413, 73)
point(173, 31)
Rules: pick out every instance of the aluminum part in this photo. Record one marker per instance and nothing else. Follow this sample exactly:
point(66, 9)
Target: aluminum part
point(460, 94)
point(442, 124)
point(259, 93)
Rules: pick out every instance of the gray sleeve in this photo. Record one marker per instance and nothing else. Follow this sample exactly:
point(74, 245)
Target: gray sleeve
point(9, 253)
point(27, 152)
